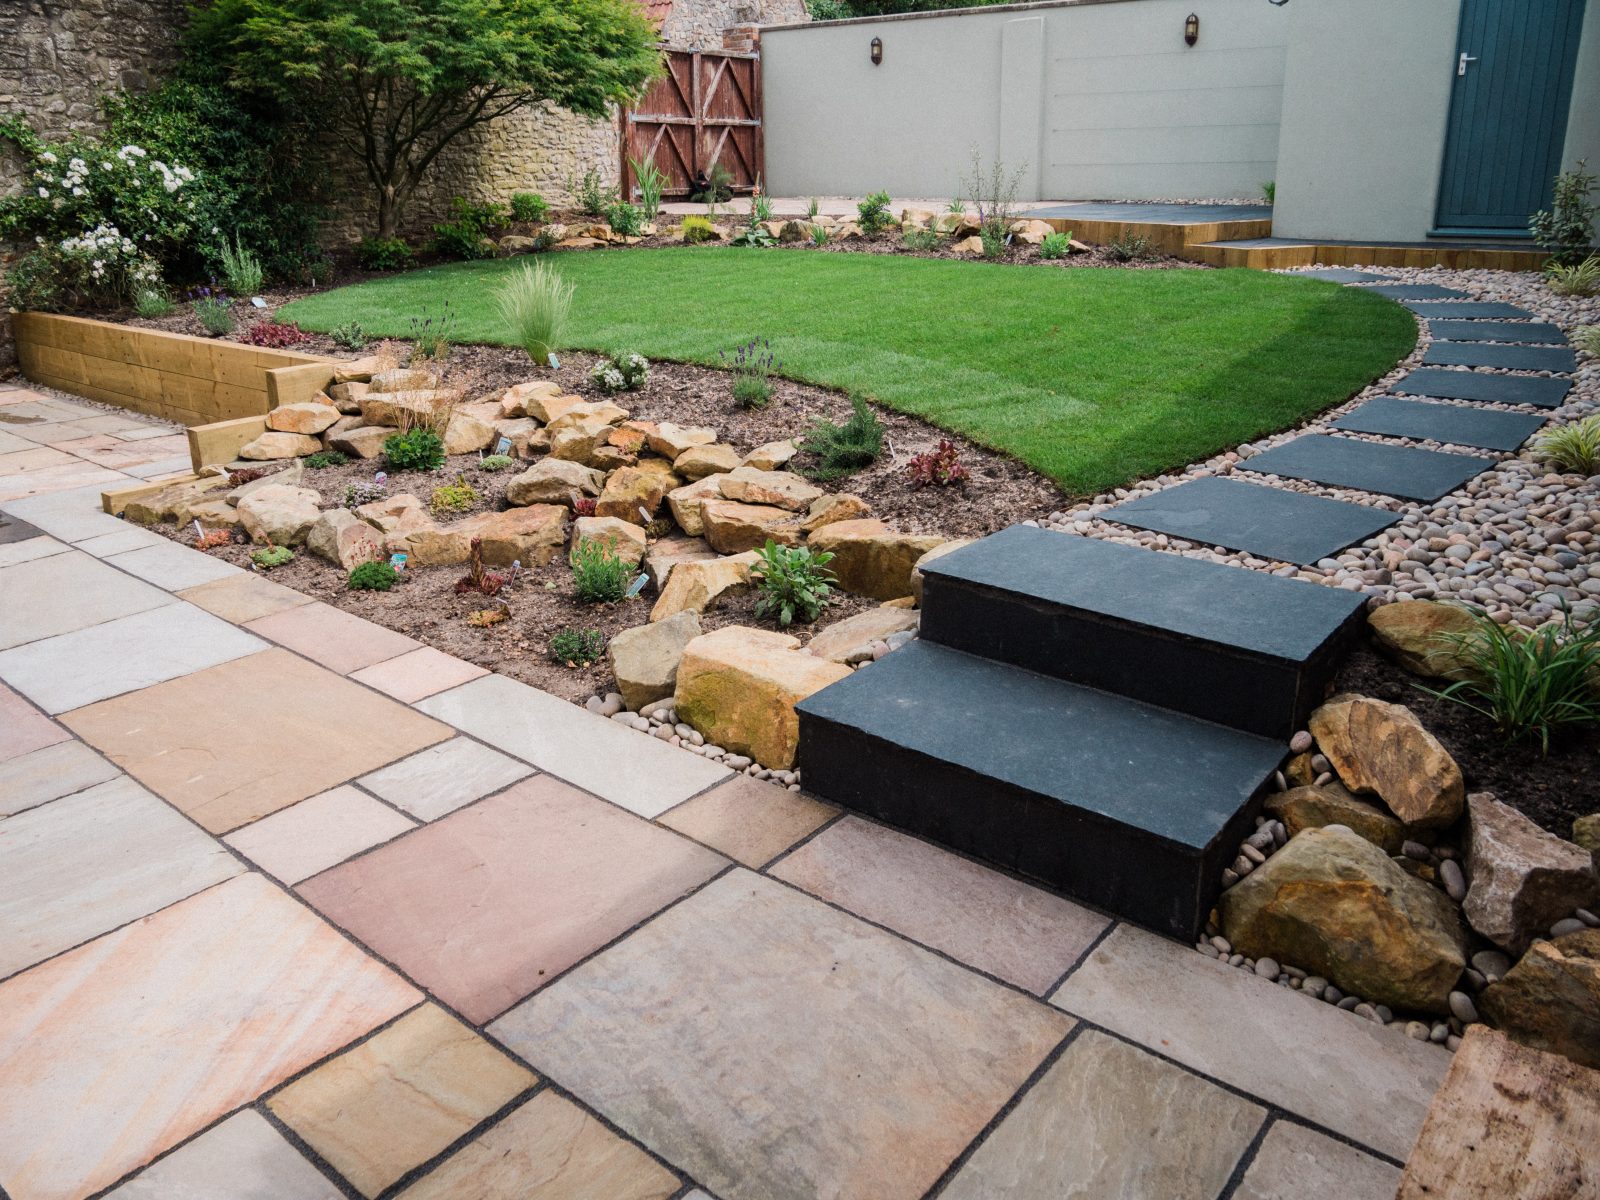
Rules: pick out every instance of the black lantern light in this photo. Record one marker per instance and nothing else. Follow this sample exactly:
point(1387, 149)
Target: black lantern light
point(877, 51)
point(1191, 29)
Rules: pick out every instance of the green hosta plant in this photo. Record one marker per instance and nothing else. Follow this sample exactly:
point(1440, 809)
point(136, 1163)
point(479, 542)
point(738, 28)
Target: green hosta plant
point(536, 303)
point(577, 647)
point(754, 233)
point(599, 575)
point(1572, 448)
point(415, 450)
point(792, 582)
point(372, 577)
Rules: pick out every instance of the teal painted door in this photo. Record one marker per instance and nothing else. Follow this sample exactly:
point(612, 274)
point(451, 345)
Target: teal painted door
point(1508, 113)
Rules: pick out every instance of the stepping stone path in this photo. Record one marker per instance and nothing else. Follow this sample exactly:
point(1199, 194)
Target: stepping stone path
point(1403, 471)
point(1490, 429)
point(1493, 389)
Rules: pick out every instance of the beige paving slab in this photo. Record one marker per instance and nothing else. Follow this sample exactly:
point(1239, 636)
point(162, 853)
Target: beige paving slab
point(1107, 1119)
point(28, 549)
point(66, 477)
point(23, 728)
point(40, 776)
point(549, 1149)
point(235, 742)
point(322, 831)
point(134, 1042)
point(172, 566)
point(442, 778)
point(489, 903)
point(390, 1104)
point(32, 459)
point(340, 641)
point(749, 820)
point(163, 468)
point(243, 597)
point(642, 774)
point(1014, 931)
point(242, 1158)
point(75, 868)
point(419, 674)
point(71, 515)
point(131, 537)
point(1296, 1163)
point(64, 592)
point(1369, 1083)
point(10, 443)
point(776, 1048)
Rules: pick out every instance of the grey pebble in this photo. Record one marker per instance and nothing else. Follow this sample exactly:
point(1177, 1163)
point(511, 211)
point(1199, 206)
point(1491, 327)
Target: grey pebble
point(1455, 883)
point(1300, 742)
point(1462, 1008)
point(1416, 1029)
point(1492, 963)
point(1567, 925)
point(1266, 968)
point(1587, 917)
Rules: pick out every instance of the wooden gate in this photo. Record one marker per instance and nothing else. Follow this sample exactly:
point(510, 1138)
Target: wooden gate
point(704, 112)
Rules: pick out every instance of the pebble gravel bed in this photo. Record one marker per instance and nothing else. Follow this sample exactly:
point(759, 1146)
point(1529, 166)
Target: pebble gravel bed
point(660, 720)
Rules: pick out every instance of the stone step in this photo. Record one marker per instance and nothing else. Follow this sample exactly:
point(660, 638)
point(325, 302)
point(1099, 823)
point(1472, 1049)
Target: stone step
point(1497, 354)
point(1458, 424)
point(1127, 806)
point(1539, 333)
point(1468, 310)
point(1445, 384)
point(1238, 647)
point(1417, 291)
point(1405, 471)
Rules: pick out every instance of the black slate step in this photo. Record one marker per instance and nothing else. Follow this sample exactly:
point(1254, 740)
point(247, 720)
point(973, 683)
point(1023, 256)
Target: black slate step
point(1265, 521)
point(1469, 310)
point(1124, 805)
point(1237, 647)
point(1481, 427)
point(1537, 332)
point(1339, 275)
point(1416, 291)
point(1405, 471)
point(1495, 389)
point(1493, 354)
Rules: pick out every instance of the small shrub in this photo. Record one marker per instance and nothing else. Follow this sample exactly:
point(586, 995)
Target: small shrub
point(1579, 279)
point(819, 236)
point(599, 575)
point(274, 336)
point(152, 302)
point(1566, 228)
point(1572, 448)
point(414, 450)
point(625, 372)
point(357, 494)
point(754, 233)
point(372, 577)
point(495, 462)
point(651, 181)
point(432, 336)
point(214, 311)
point(326, 458)
point(843, 449)
point(625, 219)
point(752, 367)
point(529, 208)
point(584, 506)
point(760, 203)
point(535, 302)
point(271, 556)
point(920, 239)
point(240, 268)
point(245, 475)
point(713, 187)
point(593, 199)
point(577, 647)
point(698, 229)
point(994, 241)
point(812, 206)
point(1055, 245)
point(873, 213)
point(211, 539)
point(466, 234)
point(792, 582)
point(994, 193)
point(1587, 338)
point(384, 254)
point(477, 579)
point(455, 497)
point(1269, 191)
point(350, 336)
point(1130, 247)
point(938, 468)
point(958, 206)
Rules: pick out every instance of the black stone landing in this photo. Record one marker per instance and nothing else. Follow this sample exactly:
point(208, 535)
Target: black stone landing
point(15, 529)
point(1339, 275)
point(1417, 291)
point(1537, 390)
point(1254, 518)
point(1537, 332)
point(1461, 426)
point(1122, 804)
point(1222, 643)
point(1469, 310)
point(1493, 354)
point(1405, 471)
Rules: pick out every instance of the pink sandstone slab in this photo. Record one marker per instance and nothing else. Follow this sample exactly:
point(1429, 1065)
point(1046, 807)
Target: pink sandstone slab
point(243, 597)
point(243, 1158)
point(418, 675)
point(489, 903)
point(23, 728)
point(338, 640)
point(126, 1046)
point(749, 820)
point(322, 831)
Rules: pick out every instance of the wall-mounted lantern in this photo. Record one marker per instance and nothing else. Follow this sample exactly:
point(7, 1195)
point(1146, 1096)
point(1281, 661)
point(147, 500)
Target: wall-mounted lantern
point(877, 51)
point(1191, 29)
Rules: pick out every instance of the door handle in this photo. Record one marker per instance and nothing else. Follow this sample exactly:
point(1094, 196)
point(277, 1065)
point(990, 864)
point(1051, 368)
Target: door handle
point(1461, 63)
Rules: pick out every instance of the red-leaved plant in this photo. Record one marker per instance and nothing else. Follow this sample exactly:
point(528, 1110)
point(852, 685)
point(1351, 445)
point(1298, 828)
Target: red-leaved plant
point(477, 579)
point(583, 506)
point(272, 335)
point(941, 467)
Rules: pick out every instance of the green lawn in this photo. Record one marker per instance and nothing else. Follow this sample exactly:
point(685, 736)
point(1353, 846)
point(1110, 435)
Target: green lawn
point(1093, 377)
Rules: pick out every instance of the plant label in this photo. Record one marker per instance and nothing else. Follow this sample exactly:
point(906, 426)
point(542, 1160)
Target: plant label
point(503, 446)
point(257, 302)
point(397, 561)
point(555, 363)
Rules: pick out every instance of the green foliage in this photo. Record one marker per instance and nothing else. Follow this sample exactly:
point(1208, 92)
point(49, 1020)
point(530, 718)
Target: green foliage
point(843, 449)
point(760, 203)
point(326, 458)
point(1130, 247)
point(1055, 245)
point(994, 194)
point(873, 213)
point(719, 187)
point(792, 582)
point(152, 302)
point(241, 270)
point(829, 10)
point(372, 577)
point(535, 302)
point(957, 206)
point(455, 497)
point(698, 229)
point(819, 236)
point(623, 371)
point(812, 205)
point(1578, 279)
point(1587, 338)
point(577, 647)
point(920, 239)
point(466, 234)
point(751, 391)
point(650, 180)
point(599, 575)
point(1566, 228)
point(349, 336)
point(754, 233)
point(357, 494)
point(752, 365)
point(1572, 448)
point(1269, 191)
point(1531, 684)
point(384, 254)
point(215, 312)
point(415, 450)
point(625, 218)
point(529, 207)
point(593, 198)
point(432, 336)
point(496, 462)
point(271, 556)
point(993, 238)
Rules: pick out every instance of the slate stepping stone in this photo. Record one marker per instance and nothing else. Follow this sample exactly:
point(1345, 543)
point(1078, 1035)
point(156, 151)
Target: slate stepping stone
point(1496, 389)
point(1260, 520)
point(1538, 332)
point(1416, 291)
point(1493, 354)
point(1340, 275)
point(1405, 471)
point(1486, 428)
point(1470, 310)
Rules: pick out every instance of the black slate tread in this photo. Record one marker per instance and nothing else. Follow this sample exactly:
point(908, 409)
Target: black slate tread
point(1492, 354)
point(1487, 429)
point(1405, 471)
point(1417, 291)
point(1339, 275)
point(1537, 390)
point(1469, 310)
point(1537, 332)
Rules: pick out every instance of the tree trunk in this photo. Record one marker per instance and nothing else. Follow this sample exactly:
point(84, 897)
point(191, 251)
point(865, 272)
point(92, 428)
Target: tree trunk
point(388, 211)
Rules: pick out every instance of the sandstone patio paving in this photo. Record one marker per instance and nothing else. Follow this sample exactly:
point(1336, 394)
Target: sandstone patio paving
point(72, 869)
point(404, 1095)
point(774, 1047)
point(338, 640)
point(242, 1158)
point(1336, 1070)
point(64, 592)
point(235, 742)
point(71, 514)
point(1295, 1163)
point(320, 832)
point(642, 774)
point(12, 553)
point(549, 1149)
point(46, 774)
point(749, 820)
point(492, 902)
point(244, 597)
point(126, 1046)
point(172, 566)
point(133, 537)
point(419, 674)
point(76, 474)
point(987, 920)
point(442, 778)
point(23, 728)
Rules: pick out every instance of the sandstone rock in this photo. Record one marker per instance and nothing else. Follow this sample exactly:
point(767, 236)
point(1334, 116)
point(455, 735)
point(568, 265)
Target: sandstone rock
point(466, 433)
point(1380, 747)
point(830, 510)
point(516, 243)
point(850, 641)
point(770, 457)
point(733, 528)
point(514, 400)
point(645, 659)
point(695, 586)
point(628, 491)
point(652, 465)
point(699, 461)
point(1551, 999)
point(670, 440)
point(175, 503)
point(344, 539)
point(684, 502)
point(342, 425)
point(1523, 879)
point(356, 370)
point(930, 556)
point(532, 536)
point(554, 481)
point(780, 489)
point(917, 218)
point(968, 245)
point(1031, 233)
point(281, 515)
point(580, 243)
point(739, 686)
point(527, 436)
point(576, 438)
point(629, 441)
point(1333, 903)
point(392, 408)
point(309, 418)
point(948, 222)
point(272, 445)
point(1300, 773)
point(549, 406)
point(365, 441)
point(794, 231)
point(292, 476)
point(846, 230)
point(869, 560)
point(400, 379)
point(398, 514)
point(626, 540)
point(1302, 808)
point(1417, 635)
point(213, 514)
point(666, 553)
point(585, 410)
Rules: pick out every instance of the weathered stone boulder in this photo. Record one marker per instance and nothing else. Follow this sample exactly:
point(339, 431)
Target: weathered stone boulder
point(401, 513)
point(670, 440)
point(645, 659)
point(272, 445)
point(1417, 634)
point(307, 418)
point(850, 641)
point(554, 481)
point(344, 539)
point(290, 476)
point(281, 515)
point(772, 456)
point(1523, 880)
point(780, 489)
point(632, 495)
point(514, 400)
point(532, 536)
point(173, 503)
point(1333, 903)
point(830, 510)
point(936, 553)
point(1377, 747)
point(577, 438)
point(466, 433)
point(400, 379)
point(356, 370)
point(346, 397)
point(684, 502)
point(214, 514)
point(738, 687)
point(340, 426)
point(699, 461)
point(364, 441)
point(666, 553)
point(968, 245)
point(695, 586)
point(584, 410)
point(870, 560)
point(625, 539)
point(393, 408)
point(547, 406)
point(527, 436)
point(1551, 999)
point(733, 528)
point(1031, 232)
point(1302, 808)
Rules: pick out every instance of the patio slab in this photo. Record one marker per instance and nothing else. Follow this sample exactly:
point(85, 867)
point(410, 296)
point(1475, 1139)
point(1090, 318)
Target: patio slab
point(71, 515)
point(858, 1065)
point(1339, 275)
point(243, 1158)
point(1488, 429)
point(750, 821)
point(1446, 384)
point(1417, 291)
point(338, 640)
point(1468, 310)
point(48, 774)
point(1293, 1162)
point(1494, 354)
point(1534, 332)
point(217, 744)
point(1341, 1072)
point(445, 777)
point(27, 549)
point(418, 675)
point(244, 597)
point(172, 566)
point(23, 728)
point(322, 831)
point(487, 904)
point(1405, 471)
point(130, 537)
point(64, 592)
point(1107, 1119)
point(130, 1044)
point(997, 924)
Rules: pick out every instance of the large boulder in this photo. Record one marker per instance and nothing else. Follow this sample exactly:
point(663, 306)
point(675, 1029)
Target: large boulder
point(699, 461)
point(291, 476)
point(645, 659)
point(779, 489)
point(1551, 999)
point(1333, 903)
point(547, 406)
point(398, 379)
point(830, 510)
point(532, 536)
point(554, 481)
point(685, 502)
point(1381, 748)
point(1418, 635)
point(346, 397)
point(625, 539)
point(401, 513)
point(577, 438)
point(356, 370)
point(670, 440)
point(281, 515)
point(733, 528)
point(364, 441)
point(850, 640)
point(466, 434)
point(344, 539)
point(1523, 880)
point(214, 514)
point(584, 410)
point(738, 686)
point(695, 586)
point(1308, 807)
point(871, 560)
point(771, 456)
point(666, 553)
point(514, 399)
point(308, 418)
point(633, 495)
point(173, 503)
point(396, 408)
point(272, 445)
